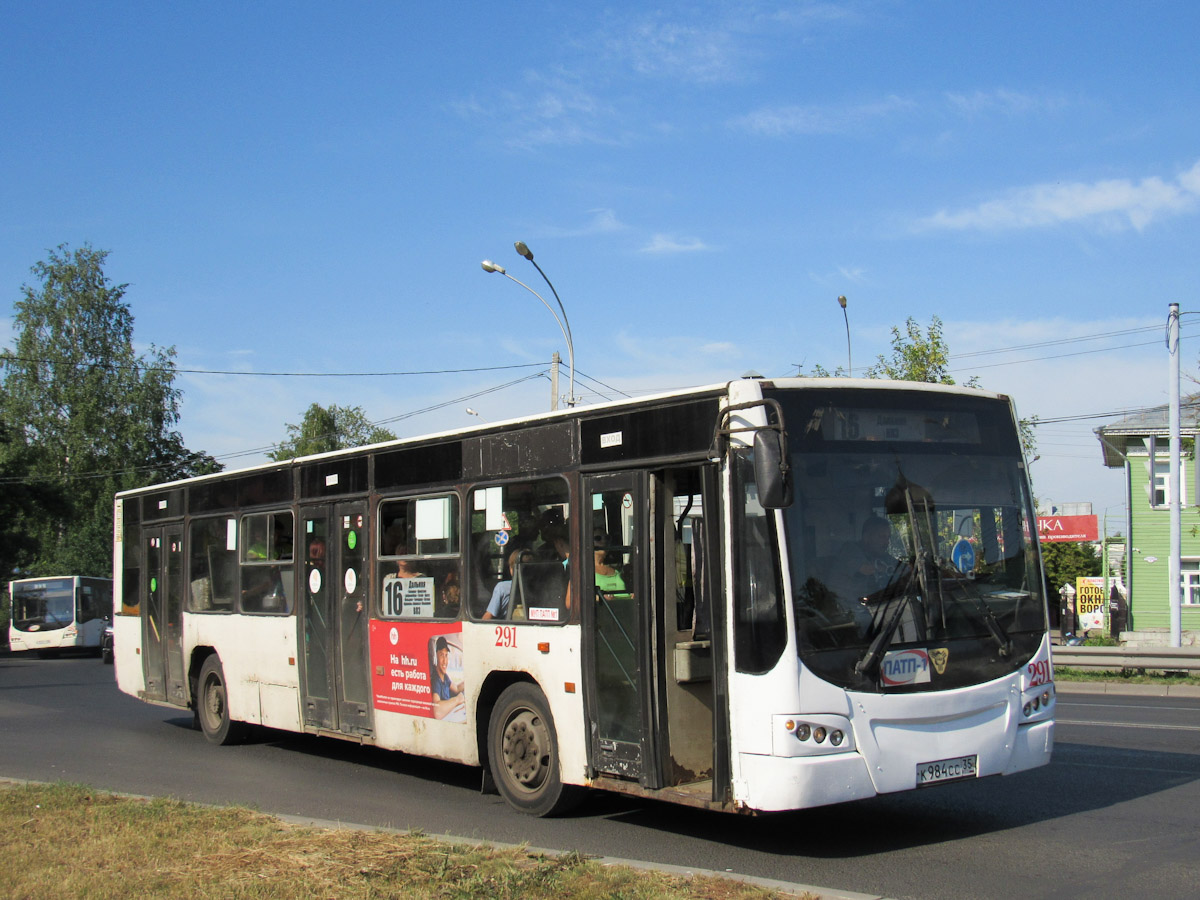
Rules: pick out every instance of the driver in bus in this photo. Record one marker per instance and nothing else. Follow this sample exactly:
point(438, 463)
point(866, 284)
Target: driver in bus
point(864, 567)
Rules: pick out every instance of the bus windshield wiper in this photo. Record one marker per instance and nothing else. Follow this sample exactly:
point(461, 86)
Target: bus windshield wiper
point(905, 599)
point(1003, 641)
point(922, 561)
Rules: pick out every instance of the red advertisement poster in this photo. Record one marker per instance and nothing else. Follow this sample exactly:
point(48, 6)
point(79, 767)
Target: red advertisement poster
point(1068, 528)
point(417, 669)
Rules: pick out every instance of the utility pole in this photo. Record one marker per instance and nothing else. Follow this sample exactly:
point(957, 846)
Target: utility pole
point(554, 362)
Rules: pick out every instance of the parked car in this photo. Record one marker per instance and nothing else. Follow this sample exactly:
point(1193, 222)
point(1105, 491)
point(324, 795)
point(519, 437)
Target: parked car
point(106, 644)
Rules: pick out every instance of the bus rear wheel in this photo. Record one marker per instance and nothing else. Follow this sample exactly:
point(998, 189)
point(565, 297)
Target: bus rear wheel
point(212, 705)
point(523, 754)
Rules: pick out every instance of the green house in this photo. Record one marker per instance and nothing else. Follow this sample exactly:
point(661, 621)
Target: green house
point(1140, 445)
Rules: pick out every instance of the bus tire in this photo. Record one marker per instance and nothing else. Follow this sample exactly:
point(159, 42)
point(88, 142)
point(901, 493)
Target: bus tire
point(212, 705)
point(523, 753)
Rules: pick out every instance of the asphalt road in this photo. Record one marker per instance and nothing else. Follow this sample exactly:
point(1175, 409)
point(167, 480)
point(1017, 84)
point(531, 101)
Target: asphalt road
point(1117, 813)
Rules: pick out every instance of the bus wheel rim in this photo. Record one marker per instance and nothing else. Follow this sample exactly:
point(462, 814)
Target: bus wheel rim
point(526, 749)
point(214, 702)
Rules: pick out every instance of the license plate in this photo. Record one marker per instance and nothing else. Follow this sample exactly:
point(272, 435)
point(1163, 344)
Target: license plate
point(943, 770)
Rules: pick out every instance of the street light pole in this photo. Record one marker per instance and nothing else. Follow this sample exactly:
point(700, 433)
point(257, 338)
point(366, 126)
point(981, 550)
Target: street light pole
point(523, 249)
point(488, 266)
point(1173, 573)
point(846, 316)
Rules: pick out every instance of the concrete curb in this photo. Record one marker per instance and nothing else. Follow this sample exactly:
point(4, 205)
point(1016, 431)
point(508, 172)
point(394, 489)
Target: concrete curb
point(1128, 690)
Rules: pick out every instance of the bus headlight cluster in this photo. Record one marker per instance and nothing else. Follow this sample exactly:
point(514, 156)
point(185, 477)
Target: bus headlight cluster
point(804, 731)
point(1039, 702)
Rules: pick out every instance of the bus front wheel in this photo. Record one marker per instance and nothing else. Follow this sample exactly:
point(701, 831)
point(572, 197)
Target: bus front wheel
point(523, 753)
point(212, 705)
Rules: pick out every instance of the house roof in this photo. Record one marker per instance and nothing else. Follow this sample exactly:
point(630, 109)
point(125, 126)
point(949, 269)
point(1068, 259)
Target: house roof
point(1116, 439)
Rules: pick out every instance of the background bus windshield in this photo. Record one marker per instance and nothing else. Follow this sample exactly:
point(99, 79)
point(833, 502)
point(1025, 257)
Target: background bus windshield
point(43, 605)
point(910, 531)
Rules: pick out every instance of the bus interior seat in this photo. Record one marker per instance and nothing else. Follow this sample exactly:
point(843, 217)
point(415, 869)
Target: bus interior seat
point(539, 585)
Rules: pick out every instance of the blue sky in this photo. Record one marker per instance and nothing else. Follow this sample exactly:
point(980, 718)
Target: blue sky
point(310, 187)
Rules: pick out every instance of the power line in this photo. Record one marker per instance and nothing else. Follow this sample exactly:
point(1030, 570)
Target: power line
point(1017, 362)
point(603, 385)
point(1107, 415)
point(9, 358)
point(31, 479)
point(1060, 341)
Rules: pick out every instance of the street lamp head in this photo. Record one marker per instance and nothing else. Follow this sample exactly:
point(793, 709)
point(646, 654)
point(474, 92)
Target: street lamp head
point(842, 302)
point(524, 250)
point(489, 266)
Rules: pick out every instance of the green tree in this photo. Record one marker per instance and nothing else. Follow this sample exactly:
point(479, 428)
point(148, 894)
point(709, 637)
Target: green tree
point(1065, 561)
point(323, 430)
point(916, 356)
point(88, 415)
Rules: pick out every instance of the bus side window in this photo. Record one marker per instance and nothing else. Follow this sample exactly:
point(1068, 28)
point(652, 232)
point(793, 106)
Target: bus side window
point(531, 517)
point(212, 565)
point(419, 557)
point(266, 557)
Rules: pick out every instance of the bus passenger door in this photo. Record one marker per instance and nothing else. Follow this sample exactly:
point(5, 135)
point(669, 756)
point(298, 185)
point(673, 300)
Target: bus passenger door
point(333, 614)
point(616, 623)
point(162, 622)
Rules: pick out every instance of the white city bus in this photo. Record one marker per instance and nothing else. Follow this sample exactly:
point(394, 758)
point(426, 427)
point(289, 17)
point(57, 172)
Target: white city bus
point(765, 595)
point(54, 614)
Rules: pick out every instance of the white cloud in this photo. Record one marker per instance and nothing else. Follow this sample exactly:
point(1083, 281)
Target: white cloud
point(1112, 203)
point(840, 277)
point(602, 221)
point(683, 51)
point(784, 121)
point(1004, 101)
point(719, 348)
point(551, 109)
point(665, 243)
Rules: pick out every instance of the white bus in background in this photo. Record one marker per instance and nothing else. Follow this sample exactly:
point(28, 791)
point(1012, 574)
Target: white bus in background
point(663, 597)
point(62, 613)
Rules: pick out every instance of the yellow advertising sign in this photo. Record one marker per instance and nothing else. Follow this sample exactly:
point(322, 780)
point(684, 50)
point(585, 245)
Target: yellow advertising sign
point(1090, 603)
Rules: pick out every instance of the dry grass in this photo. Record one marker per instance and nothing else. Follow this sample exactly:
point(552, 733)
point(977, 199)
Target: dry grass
point(1126, 676)
point(66, 840)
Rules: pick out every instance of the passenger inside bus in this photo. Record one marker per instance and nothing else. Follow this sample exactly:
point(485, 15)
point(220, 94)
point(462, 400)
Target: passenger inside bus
point(449, 599)
point(608, 578)
point(500, 606)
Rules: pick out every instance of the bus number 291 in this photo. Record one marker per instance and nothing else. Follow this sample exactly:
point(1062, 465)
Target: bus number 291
point(506, 636)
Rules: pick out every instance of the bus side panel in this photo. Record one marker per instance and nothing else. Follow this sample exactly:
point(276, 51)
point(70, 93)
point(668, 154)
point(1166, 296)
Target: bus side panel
point(491, 649)
point(127, 654)
point(258, 657)
point(557, 669)
point(90, 632)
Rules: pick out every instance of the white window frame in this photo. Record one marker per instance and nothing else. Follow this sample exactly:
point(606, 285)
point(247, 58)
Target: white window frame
point(1189, 579)
point(1160, 482)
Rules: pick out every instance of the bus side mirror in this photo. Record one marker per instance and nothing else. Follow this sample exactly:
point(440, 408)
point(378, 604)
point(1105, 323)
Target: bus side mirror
point(772, 470)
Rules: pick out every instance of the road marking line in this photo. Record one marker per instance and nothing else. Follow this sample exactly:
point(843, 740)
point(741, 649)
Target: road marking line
point(1127, 725)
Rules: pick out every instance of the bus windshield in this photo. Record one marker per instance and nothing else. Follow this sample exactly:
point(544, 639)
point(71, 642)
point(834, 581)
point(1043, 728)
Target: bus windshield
point(911, 532)
point(45, 605)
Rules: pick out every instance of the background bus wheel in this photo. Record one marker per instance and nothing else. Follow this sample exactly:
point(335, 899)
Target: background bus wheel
point(523, 754)
point(212, 705)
